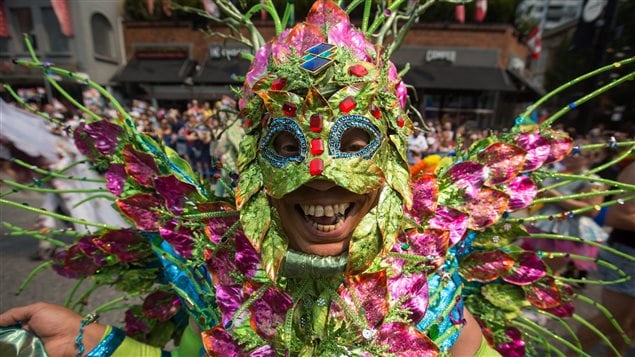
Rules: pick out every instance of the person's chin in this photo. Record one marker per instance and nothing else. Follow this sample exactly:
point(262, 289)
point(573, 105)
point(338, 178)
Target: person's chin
point(324, 249)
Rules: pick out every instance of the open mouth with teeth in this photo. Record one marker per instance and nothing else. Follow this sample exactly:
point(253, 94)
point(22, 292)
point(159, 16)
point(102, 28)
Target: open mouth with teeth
point(326, 218)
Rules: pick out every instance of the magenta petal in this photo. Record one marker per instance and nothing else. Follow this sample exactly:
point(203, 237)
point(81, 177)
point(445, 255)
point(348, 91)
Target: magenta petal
point(369, 291)
point(404, 339)
point(414, 288)
point(247, 259)
point(563, 310)
point(513, 348)
point(258, 65)
point(522, 191)
point(135, 323)
point(486, 208)
point(140, 166)
point(89, 248)
point(125, 244)
point(221, 265)
point(503, 160)
point(561, 146)
point(301, 37)
point(485, 266)
point(229, 299)
point(468, 176)
point(537, 148)
point(528, 269)
point(263, 351)
point(424, 201)
point(174, 191)
point(269, 311)
point(161, 305)
point(543, 294)
point(115, 178)
point(218, 342)
point(216, 227)
point(83, 141)
point(451, 220)
point(180, 238)
point(432, 243)
point(73, 263)
point(105, 135)
point(347, 36)
point(325, 14)
point(142, 209)
point(402, 94)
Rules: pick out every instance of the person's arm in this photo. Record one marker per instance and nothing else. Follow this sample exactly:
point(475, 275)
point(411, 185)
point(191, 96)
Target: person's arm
point(470, 338)
point(572, 204)
point(622, 216)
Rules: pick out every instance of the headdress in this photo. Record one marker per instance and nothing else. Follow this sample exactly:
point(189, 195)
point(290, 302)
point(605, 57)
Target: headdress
point(436, 242)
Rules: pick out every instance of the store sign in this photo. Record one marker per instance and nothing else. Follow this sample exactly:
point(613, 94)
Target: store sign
point(440, 55)
point(224, 52)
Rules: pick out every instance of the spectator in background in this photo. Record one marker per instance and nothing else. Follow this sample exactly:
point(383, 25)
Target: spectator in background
point(417, 146)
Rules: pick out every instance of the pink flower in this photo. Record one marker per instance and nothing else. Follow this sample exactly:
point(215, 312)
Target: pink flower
point(258, 66)
point(346, 36)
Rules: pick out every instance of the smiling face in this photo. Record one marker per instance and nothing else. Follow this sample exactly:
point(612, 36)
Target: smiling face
point(319, 218)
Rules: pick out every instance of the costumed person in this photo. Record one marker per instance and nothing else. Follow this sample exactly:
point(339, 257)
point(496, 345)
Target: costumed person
point(328, 246)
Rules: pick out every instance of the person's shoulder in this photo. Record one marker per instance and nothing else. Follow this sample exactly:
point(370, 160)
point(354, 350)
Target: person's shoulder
point(628, 174)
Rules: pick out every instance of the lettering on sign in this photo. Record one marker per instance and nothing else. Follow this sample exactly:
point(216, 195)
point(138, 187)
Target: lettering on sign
point(218, 52)
point(440, 55)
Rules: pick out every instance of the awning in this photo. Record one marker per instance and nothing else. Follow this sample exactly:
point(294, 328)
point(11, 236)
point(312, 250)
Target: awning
point(220, 71)
point(153, 71)
point(185, 92)
point(459, 78)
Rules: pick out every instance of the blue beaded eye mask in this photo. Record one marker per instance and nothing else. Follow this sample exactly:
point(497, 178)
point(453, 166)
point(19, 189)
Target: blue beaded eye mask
point(336, 135)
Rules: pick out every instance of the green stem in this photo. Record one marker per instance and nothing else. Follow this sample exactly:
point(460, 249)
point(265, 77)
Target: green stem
point(53, 190)
point(551, 94)
point(71, 295)
point(539, 337)
point(106, 306)
point(54, 174)
point(580, 240)
point(576, 196)
point(29, 107)
point(553, 335)
point(547, 123)
point(367, 6)
point(107, 197)
point(606, 314)
point(32, 275)
point(575, 211)
point(574, 177)
point(624, 277)
point(565, 325)
point(57, 215)
point(215, 214)
point(605, 339)
point(380, 18)
point(83, 297)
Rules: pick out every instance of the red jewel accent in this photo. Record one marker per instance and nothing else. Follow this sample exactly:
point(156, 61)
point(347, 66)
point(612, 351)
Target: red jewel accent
point(278, 83)
point(401, 122)
point(316, 167)
point(374, 110)
point(357, 70)
point(315, 123)
point(248, 123)
point(289, 109)
point(265, 119)
point(317, 146)
point(347, 104)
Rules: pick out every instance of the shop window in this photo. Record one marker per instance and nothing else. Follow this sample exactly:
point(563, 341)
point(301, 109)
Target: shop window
point(103, 36)
point(23, 24)
point(58, 42)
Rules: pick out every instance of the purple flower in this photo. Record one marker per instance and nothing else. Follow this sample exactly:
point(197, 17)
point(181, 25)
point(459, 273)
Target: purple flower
point(537, 149)
point(450, 220)
point(258, 66)
point(180, 238)
point(115, 178)
point(218, 342)
point(140, 166)
point(161, 305)
point(424, 197)
point(89, 248)
point(522, 191)
point(135, 323)
point(142, 209)
point(528, 269)
point(72, 263)
point(101, 136)
point(346, 36)
point(247, 259)
point(269, 311)
point(402, 94)
point(515, 347)
point(403, 339)
point(125, 244)
point(484, 266)
point(174, 191)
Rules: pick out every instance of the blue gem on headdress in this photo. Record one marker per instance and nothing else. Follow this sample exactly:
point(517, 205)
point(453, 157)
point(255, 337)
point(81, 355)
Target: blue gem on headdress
point(612, 142)
point(354, 121)
point(576, 150)
point(572, 105)
point(318, 57)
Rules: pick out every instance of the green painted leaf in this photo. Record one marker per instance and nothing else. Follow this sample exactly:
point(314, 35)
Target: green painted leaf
point(249, 182)
point(505, 296)
point(389, 213)
point(357, 175)
point(274, 246)
point(255, 217)
point(396, 171)
point(248, 150)
point(366, 243)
